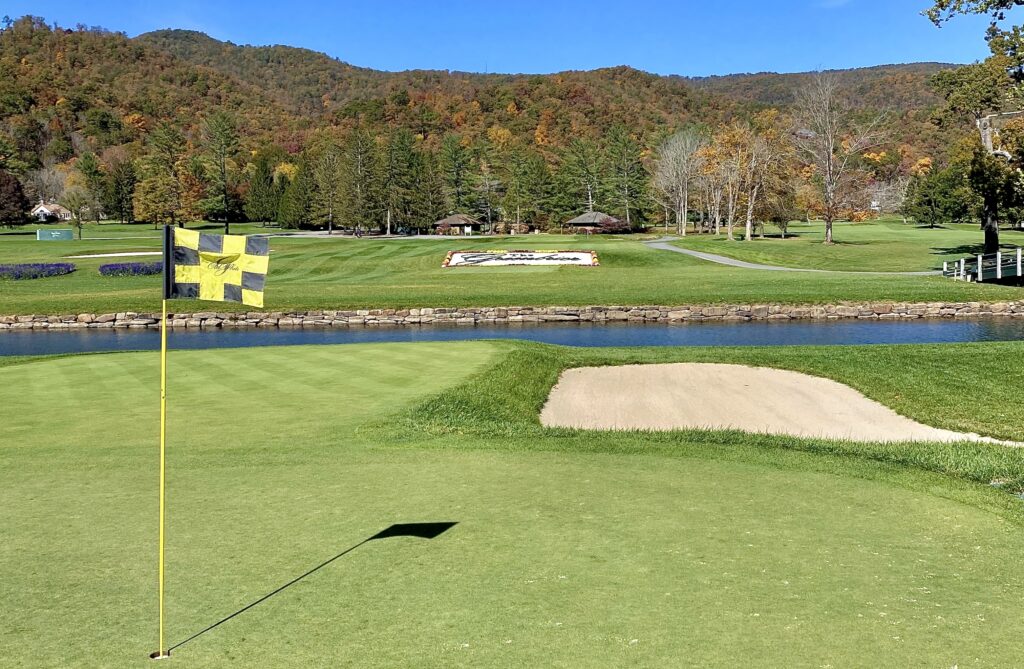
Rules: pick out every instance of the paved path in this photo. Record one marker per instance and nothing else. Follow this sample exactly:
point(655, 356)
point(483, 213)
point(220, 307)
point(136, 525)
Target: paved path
point(664, 245)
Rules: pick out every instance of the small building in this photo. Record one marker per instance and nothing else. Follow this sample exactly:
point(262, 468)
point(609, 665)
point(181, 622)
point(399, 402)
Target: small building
point(596, 221)
point(49, 211)
point(457, 224)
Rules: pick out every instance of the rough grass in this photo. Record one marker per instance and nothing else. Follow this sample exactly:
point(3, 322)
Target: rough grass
point(878, 246)
point(319, 273)
point(961, 387)
point(571, 549)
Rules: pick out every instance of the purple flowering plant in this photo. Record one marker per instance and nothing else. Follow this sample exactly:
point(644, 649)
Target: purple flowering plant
point(35, 270)
point(131, 268)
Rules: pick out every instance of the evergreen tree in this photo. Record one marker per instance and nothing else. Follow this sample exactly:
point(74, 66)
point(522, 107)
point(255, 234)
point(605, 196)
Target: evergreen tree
point(582, 175)
point(261, 201)
point(220, 144)
point(940, 197)
point(119, 189)
point(537, 188)
point(14, 205)
point(9, 160)
point(428, 203)
point(94, 182)
point(328, 174)
point(162, 183)
point(397, 174)
point(297, 199)
point(360, 184)
point(456, 163)
point(516, 168)
point(487, 186)
point(626, 176)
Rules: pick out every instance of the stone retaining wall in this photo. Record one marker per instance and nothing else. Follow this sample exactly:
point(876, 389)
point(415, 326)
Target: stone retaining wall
point(489, 315)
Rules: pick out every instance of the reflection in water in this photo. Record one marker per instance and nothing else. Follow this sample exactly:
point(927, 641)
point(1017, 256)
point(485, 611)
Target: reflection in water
point(43, 342)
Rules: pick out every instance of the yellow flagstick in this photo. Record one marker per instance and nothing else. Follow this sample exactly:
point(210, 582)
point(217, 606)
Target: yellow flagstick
point(161, 653)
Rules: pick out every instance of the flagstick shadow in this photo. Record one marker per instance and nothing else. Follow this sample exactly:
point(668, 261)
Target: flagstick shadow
point(419, 530)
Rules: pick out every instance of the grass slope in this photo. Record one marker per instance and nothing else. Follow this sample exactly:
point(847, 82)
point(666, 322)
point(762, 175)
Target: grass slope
point(572, 549)
point(874, 246)
point(317, 273)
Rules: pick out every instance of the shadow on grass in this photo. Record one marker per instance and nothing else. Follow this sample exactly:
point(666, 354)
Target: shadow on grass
point(417, 530)
point(970, 249)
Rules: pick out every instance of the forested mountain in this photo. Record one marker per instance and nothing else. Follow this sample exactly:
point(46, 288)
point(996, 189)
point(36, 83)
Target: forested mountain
point(312, 83)
point(902, 87)
point(210, 128)
point(65, 91)
point(98, 88)
point(548, 109)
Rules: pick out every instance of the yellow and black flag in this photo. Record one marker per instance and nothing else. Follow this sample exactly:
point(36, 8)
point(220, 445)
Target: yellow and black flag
point(223, 268)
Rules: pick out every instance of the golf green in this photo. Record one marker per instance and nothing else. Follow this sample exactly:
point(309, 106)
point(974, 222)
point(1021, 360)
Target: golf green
point(281, 459)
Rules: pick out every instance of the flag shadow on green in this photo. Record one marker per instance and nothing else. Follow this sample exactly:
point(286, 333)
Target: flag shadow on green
point(415, 530)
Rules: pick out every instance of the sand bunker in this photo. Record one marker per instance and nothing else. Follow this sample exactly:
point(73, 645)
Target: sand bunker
point(713, 396)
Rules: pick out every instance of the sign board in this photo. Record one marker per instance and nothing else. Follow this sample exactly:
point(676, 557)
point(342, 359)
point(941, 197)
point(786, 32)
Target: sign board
point(504, 258)
point(54, 235)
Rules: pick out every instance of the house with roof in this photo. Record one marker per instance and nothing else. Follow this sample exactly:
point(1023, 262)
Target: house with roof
point(596, 221)
point(49, 211)
point(457, 224)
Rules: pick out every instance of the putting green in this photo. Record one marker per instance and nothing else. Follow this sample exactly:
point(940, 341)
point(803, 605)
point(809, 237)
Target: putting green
point(558, 558)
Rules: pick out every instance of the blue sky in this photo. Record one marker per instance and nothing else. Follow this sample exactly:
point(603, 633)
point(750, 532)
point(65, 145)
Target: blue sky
point(682, 37)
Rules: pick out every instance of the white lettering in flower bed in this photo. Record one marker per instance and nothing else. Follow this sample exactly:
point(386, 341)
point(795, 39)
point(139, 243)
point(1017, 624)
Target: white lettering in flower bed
point(502, 258)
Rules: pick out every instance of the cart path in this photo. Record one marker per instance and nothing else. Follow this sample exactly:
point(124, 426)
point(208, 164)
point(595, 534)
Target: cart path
point(664, 244)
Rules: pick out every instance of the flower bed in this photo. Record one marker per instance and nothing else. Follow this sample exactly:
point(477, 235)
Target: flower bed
point(131, 268)
point(35, 270)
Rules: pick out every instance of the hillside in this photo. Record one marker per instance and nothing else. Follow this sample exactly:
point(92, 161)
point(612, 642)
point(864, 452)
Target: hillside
point(902, 87)
point(432, 101)
point(63, 92)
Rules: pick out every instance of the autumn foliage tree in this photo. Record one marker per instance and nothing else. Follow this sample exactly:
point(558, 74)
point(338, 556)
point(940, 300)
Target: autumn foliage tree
point(829, 140)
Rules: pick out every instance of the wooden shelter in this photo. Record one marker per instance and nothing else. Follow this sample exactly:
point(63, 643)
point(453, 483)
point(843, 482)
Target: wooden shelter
point(596, 221)
point(457, 224)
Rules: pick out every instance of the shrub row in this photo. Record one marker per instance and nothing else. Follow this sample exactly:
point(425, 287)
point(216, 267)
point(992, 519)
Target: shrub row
point(131, 268)
point(39, 270)
point(35, 270)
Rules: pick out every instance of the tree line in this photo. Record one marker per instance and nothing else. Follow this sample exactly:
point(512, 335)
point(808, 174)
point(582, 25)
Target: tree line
point(767, 168)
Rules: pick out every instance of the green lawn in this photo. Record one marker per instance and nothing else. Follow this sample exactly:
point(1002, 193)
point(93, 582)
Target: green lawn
point(318, 273)
point(873, 246)
point(571, 549)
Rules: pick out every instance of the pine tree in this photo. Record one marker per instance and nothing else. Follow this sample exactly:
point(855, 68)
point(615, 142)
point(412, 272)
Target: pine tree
point(297, 199)
point(261, 201)
point(626, 176)
point(456, 162)
point(582, 174)
point(220, 144)
point(428, 203)
point(94, 182)
point(13, 203)
point(487, 187)
point(162, 174)
point(119, 189)
point(360, 183)
point(398, 170)
point(328, 176)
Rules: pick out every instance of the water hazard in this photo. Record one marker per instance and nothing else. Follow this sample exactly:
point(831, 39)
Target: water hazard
point(569, 334)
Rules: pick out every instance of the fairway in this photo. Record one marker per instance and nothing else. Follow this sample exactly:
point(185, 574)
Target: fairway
point(570, 549)
point(346, 273)
point(887, 245)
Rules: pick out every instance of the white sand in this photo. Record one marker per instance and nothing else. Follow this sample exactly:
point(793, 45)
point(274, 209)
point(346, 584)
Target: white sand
point(713, 396)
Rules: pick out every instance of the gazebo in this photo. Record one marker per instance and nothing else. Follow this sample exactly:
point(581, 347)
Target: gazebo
point(596, 221)
point(457, 224)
